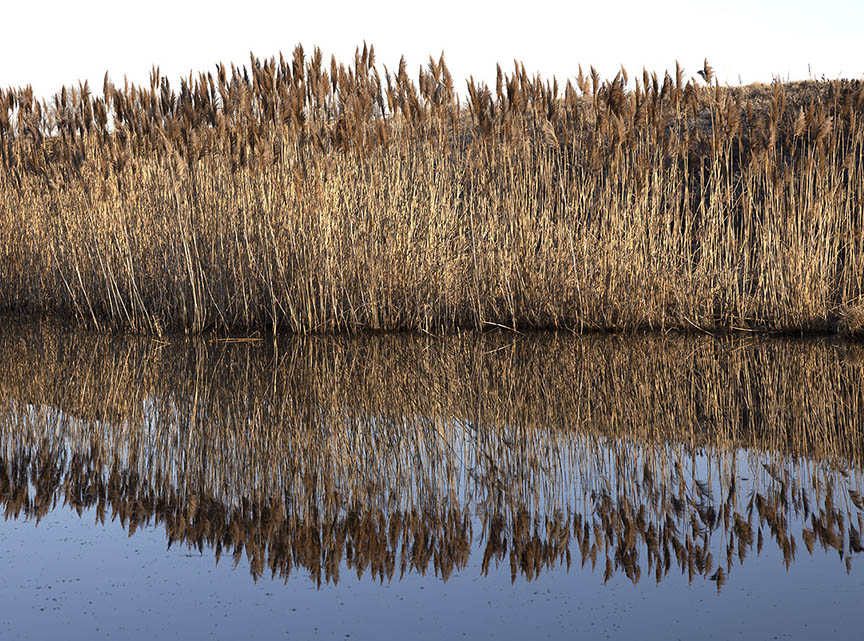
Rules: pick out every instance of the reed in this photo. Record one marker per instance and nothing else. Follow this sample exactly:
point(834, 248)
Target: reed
point(292, 194)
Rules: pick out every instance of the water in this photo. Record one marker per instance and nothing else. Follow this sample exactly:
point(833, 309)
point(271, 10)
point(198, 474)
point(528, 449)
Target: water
point(508, 487)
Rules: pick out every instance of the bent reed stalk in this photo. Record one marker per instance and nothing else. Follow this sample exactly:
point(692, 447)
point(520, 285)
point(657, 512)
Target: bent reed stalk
point(286, 195)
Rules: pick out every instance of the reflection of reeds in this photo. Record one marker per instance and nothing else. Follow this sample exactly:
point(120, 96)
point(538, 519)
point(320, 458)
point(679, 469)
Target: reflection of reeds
point(314, 197)
point(386, 455)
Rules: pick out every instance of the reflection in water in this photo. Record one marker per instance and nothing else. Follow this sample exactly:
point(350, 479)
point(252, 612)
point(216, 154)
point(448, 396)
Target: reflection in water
point(387, 455)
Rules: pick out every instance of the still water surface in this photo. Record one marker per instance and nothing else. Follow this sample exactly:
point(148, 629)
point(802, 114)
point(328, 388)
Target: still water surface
point(399, 487)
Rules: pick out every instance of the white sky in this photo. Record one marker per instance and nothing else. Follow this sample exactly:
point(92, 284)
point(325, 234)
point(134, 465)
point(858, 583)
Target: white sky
point(47, 44)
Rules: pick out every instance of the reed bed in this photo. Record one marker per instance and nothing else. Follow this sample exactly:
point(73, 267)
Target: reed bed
point(645, 456)
point(311, 197)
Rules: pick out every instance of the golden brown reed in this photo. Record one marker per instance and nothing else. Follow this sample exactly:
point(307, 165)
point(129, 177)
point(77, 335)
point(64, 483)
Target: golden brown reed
point(296, 195)
point(407, 454)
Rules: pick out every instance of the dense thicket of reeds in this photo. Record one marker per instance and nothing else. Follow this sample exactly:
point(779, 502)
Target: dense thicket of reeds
point(312, 197)
point(401, 454)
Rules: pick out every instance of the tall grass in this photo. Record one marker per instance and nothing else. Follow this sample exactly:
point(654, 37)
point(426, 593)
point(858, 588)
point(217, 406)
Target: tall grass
point(293, 194)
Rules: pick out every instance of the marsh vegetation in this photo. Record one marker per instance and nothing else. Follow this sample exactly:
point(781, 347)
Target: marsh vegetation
point(312, 197)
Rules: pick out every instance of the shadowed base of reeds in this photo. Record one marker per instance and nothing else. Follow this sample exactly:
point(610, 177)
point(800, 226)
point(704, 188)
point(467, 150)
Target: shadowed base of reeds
point(851, 321)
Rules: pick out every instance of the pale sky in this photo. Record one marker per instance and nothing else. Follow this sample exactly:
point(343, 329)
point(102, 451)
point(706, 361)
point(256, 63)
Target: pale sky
point(47, 44)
